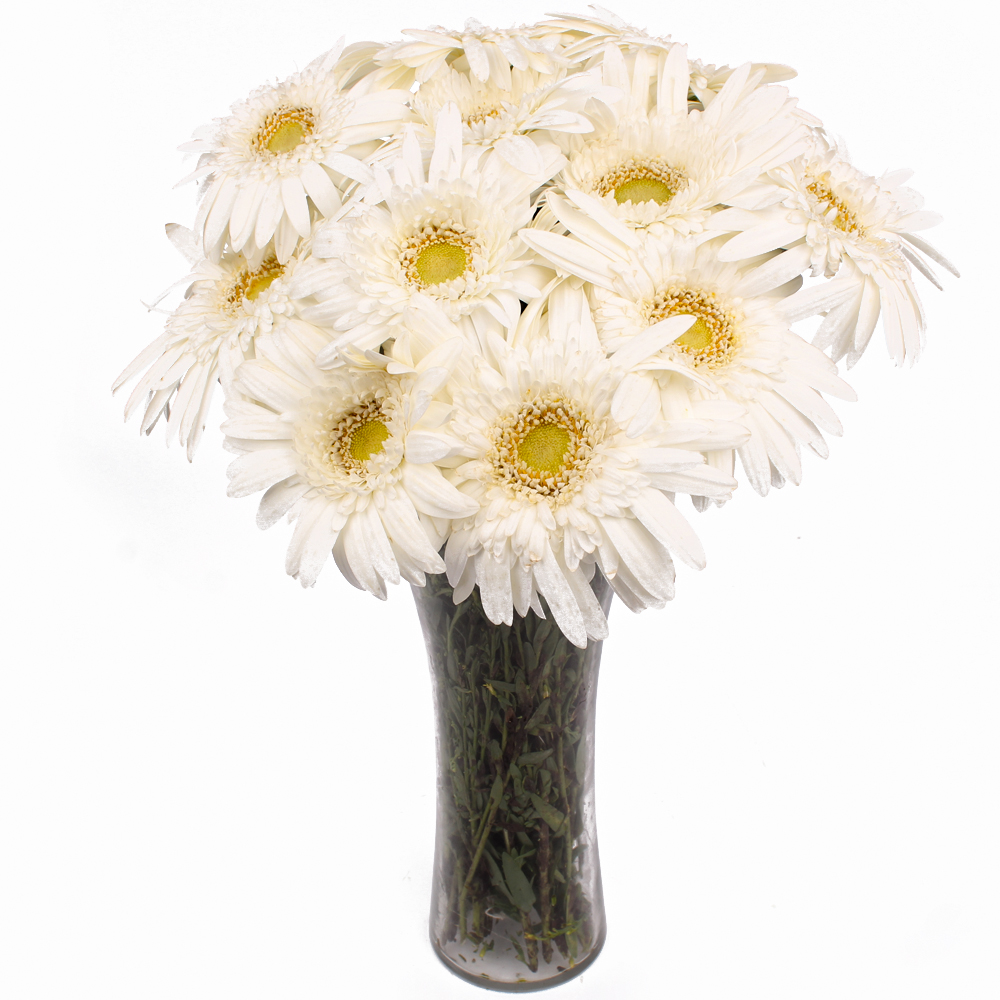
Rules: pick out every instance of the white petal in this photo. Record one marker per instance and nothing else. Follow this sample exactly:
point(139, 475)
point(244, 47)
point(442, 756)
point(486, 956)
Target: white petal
point(560, 598)
point(776, 271)
point(258, 470)
point(406, 532)
point(293, 197)
point(320, 188)
point(520, 152)
point(652, 340)
point(493, 576)
point(767, 236)
point(279, 500)
point(424, 447)
point(316, 531)
point(667, 525)
point(570, 255)
point(432, 494)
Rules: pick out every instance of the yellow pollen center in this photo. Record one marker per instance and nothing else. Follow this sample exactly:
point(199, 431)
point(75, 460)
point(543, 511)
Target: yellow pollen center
point(544, 448)
point(642, 179)
point(643, 189)
point(844, 219)
point(250, 285)
point(439, 262)
point(286, 137)
point(369, 439)
point(284, 130)
point(713, 338)
point(698, 337)
point(260, 283)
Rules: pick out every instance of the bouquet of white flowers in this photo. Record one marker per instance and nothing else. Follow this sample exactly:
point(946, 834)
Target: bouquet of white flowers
point(481, 304)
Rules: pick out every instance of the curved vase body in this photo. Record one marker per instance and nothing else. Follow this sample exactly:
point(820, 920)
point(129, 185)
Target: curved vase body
point(517, 902)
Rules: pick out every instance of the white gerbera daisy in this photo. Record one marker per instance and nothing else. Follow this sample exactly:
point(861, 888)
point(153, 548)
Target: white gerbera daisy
point(227, 305)
point(664, 169)
point(350, 458)
point(288, 145)
point(739, 346)
point(510, 119)
point(837, 220)
point(447, 239)
point(484, 52)
point(560, 488)
point(582, 37)
point(707, 80)
point(584, 40)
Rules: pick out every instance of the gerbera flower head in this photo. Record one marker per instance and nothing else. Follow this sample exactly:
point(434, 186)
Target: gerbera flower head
point(477, 49)
point(838, 221)
point(738, 347)
point(350, 457)
point(227, 305)
point(511, 118)
point(560, 489)
point(663, 168)
point(445, 237)
point(288, 146)
point(584, 37)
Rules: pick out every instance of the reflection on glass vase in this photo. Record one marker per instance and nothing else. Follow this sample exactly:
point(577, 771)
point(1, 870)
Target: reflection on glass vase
point(517, 902)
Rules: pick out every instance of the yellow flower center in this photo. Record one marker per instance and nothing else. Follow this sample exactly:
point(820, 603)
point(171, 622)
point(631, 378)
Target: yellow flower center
point(285, 129)
point(641, 180)
point(437, 254)
point(845, 219)
point(712, 339)
point(544, 448)
point(369, 439)
point(699, 336)
point(249, 285)
point(359, 436)
point(439, 262)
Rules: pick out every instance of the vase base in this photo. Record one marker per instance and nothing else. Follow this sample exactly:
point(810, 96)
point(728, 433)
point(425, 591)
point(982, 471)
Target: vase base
point(465, 968)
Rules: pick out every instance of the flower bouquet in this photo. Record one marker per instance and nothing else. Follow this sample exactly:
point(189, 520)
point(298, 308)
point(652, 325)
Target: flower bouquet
point(482, 303)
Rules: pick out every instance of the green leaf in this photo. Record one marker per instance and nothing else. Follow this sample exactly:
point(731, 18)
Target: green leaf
point(495, 877)
point(521, 893)
point(495, 792)
point(538, 716)
point(523, 697)
point(535, 757)
point(504, 686)
point(554, 817)
point(530, 656)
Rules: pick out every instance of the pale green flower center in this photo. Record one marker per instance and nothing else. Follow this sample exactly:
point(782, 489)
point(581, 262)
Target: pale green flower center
point(283, 130)
point(642, 179)
point(437, 254)
point(249, 284)
point(369, 439)
point(439, 262)
point(713, 338)
point(544, 448)
point(643, 189)
point(699, 336)
point(359, 436)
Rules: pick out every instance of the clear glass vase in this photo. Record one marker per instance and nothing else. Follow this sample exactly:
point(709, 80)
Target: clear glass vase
point(517, 903)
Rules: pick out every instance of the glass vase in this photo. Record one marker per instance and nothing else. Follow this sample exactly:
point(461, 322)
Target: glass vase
point(516, 903)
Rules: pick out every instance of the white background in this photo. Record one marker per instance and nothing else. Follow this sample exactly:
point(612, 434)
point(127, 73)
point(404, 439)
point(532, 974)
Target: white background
point(217, 786)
